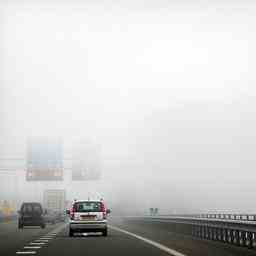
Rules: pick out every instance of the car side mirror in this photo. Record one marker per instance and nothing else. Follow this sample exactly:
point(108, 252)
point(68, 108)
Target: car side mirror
point(108, 211)
point(68, 212)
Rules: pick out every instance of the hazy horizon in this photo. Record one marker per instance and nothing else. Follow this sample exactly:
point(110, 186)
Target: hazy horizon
point(166, 88)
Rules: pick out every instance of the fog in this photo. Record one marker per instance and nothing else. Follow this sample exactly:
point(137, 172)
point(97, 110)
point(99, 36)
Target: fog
point(166, 88)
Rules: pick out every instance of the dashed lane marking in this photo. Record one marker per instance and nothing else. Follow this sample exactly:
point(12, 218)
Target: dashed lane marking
point(26, 252)
point(41, 241)
point(32, 247)
point(151, 242)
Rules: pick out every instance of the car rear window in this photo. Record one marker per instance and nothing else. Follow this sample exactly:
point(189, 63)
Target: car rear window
point(32, 208)
point(88, 206)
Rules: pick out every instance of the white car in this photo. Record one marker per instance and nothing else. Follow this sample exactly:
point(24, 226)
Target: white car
point(88, 216)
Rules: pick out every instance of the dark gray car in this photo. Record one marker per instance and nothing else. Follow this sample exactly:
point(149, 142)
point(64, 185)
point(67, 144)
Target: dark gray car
point(31, 214)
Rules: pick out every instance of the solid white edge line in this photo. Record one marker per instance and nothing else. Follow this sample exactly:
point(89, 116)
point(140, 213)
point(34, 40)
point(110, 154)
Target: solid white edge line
point(34, 243)
point(146, 240)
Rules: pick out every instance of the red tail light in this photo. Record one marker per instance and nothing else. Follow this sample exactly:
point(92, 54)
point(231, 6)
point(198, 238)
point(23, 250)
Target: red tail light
point(103, 209)
point(72, 212)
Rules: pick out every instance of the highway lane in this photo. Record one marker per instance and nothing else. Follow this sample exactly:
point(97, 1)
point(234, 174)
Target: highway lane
point(54, 240)
point(116, 243)
point(12, 238)
point(184, 243)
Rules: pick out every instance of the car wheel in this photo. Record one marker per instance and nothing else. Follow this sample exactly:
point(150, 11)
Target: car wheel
point(43, 226)
point(71, 233)
point(20, 226)
point(105, 232)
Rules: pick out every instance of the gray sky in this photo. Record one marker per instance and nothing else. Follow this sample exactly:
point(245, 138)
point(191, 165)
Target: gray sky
point(166, 87)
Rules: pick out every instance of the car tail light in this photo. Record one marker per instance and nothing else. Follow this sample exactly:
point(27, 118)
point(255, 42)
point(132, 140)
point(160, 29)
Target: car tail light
point(72, 212)
point(103, 210)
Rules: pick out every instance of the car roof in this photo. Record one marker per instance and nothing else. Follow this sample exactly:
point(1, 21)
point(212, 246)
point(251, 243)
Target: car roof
point(87, 200)
point(32, 203)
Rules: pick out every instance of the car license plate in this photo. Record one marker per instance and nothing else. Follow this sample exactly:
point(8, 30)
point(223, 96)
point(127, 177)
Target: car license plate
point(88, 217)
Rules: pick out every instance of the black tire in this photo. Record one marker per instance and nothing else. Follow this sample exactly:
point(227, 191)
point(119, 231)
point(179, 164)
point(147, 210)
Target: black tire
point(105, 232)
point(71, 233)
point(53, 222)
point(43, 226)
point(20, 226)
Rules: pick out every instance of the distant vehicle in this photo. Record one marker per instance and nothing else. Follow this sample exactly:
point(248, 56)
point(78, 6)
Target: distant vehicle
point(88, 216)
point(31, 214)
point(51, 216)
point(54, 200)
point(61, 216)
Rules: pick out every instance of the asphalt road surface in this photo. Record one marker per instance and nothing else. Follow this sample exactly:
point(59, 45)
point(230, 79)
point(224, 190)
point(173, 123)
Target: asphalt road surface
point(124, 238)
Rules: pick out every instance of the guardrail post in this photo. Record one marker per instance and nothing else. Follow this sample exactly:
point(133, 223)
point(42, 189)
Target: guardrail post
point(193, 230)
point(243, 238)
point(197, 230)
point(232, 236)
point(226, 235)
point(201, 231)
point(221, 235)
point(206, 232)
point(213, 233)
point(216, 233)
point(236, 237)
point(250, 239)
point(209, 232)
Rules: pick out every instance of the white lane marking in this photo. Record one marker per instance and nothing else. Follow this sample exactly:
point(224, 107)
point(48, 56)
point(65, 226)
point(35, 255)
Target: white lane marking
point(32, 247)
point(146, 240)
point(26, 252)
point(42, 240)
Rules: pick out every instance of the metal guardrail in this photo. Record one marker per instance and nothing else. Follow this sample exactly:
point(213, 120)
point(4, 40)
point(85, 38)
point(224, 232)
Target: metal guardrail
point(225, 216)
point(236, 229)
